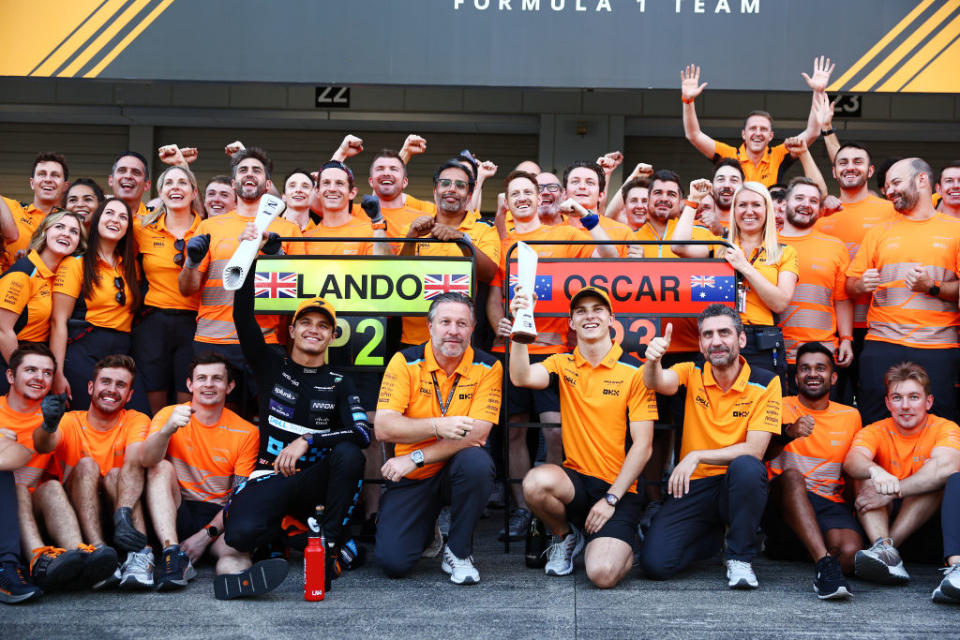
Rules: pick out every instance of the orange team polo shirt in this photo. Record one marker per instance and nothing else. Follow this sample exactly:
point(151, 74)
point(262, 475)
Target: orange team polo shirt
point(851, 225)
point(215, 314)
point(101, 308)
point(757, 312)
point(775, 161)
point(811, 316)
point(399, 218)
point(353, 228)
point(27, 217)
point(551, 332)
point(597, 405)
point(484, 238)
point(209, 458)
point(819, 456)
point(107, 448)
point(901, 454)
point(408, 387)
point(685, 338)
point(155, 245)
point(24, 424)
point(714, 419)
point(897, 314)
point(25, 289)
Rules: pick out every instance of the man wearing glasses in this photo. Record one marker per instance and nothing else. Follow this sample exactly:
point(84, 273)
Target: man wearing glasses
point(452, 188)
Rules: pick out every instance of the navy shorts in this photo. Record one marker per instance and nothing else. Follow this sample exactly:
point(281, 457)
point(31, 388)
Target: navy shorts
point(531, 401)
point(833, 515)
point(163, 348)
point(193, 515)
point(587, 490)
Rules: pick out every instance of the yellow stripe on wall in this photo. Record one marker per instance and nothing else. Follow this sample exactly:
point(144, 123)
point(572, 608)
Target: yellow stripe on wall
point(906, 46)
point(877, 48)
point(130, 37)
point(105, 37)
point(941, 75)
point(26, 44)
point(922, 57)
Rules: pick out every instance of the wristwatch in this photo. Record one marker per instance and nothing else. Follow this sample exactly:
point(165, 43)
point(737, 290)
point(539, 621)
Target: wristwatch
point(382, 225)
point(308, 438)
point(417, 456)
point(611, 499)
point(212, 531)
point(934, 290)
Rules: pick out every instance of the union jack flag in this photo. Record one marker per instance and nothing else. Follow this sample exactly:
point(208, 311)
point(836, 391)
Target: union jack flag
point(435, 284)
point(275, 285)
point(702, 281)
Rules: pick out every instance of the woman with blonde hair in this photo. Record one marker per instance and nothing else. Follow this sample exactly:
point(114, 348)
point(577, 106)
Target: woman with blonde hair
point(163, 338)
point(768, 270)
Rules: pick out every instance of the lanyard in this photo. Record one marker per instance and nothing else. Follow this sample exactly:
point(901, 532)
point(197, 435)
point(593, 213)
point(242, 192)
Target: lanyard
point(436, 389)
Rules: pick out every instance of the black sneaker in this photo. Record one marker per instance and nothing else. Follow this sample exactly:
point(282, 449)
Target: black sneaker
point(53, 567)
point(100, 562)
point(175, 569)
point(125, 535)
point(261, 578)
point(830, 583)
point(14, 588)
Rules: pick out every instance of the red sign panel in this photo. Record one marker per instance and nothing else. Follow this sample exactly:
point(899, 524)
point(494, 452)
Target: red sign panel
point(666, 287)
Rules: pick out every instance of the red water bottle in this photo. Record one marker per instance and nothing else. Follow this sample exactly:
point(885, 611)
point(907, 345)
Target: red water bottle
point(314, 560)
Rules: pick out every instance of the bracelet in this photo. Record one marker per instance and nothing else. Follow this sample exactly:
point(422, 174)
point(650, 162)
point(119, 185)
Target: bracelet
point(690, 203)
point(686, 101)
point(589, 221)
point(850, 338)
point(828, 132)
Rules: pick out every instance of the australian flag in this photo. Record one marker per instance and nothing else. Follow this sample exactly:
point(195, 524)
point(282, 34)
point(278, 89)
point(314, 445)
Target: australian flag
point(543, 287)
point(274, 285)
point(712, 288)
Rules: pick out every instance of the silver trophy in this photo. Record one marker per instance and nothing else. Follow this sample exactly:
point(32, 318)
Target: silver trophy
point(524, 330)
point(236, 270)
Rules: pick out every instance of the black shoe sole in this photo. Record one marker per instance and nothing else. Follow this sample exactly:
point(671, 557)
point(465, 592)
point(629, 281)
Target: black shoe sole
point(261, 578)
point(873, 570)
point(99, 566)
point(62, 572)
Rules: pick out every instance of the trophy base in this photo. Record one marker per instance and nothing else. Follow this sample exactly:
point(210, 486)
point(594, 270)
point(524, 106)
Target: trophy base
point(523, 337)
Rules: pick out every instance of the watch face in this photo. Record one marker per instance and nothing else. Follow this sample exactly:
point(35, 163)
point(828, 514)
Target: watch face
point(611, 499)
point(417, 457)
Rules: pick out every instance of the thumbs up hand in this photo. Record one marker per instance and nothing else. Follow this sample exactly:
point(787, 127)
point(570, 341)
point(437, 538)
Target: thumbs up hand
point(659, 345)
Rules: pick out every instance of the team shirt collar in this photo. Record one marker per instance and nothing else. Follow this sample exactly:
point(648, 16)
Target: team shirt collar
point(431, 362)
point(738, 385)
point(37, 261)
point(609, 361)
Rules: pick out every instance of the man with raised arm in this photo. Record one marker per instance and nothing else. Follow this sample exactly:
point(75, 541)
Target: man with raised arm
point(730, 413)
point(759, 161)
point(608, 417)
point(196, 454)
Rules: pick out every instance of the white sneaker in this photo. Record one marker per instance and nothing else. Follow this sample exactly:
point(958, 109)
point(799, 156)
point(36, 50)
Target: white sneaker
point(562, 553)
point(740, 575)
point(881, 563)
point(137, 570)
point(949, 588)
point(461, 570)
